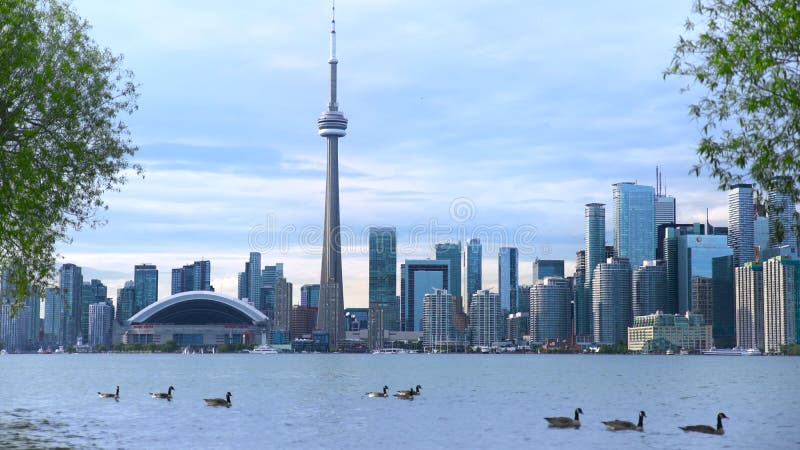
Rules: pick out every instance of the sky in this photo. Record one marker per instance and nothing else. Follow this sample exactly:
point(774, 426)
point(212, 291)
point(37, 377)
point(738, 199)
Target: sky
point(496, 119)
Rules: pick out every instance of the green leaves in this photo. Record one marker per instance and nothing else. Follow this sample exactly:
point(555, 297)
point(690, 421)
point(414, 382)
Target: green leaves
point(62, 141)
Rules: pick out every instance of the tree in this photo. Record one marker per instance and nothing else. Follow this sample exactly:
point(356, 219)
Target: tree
point(747, 62)
point(62, 141)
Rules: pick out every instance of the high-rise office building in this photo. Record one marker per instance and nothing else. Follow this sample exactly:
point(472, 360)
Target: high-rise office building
point(524, 299)
point(383, 274)
point(126, 297)
point(547, 268)
point(611, 301)
point(101, 316)
point(192, 277)
point(782, 216)
point(54, 317)
point(451, 252)
point(749, 306)
point(254, 284)
point(723, 302)
point(671, 258)
point(703, 298)
point(485, 318)
point(242, 285)
point(309, 295)
point(634, 222)
point(71, 286)
point(417, 278)
point(17, 332)
point(332, 125)
point(583, 299)
point(283, 306)
point(695, 257)
point(145, 280)
point(740, 223)
point(437, 320)
point(474, 267)
point(664, 210)
point(649, 288)
point(781, 297)
point(507, 270)
point(551, 310)
point(269, 280)
point(594, 238)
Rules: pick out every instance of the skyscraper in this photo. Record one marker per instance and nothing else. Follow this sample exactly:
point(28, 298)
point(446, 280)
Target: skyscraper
point(611, 301)
point(782, 216)
point(54, 317)
point(551, 310)
point(71, 285)
point(740, 223)
point(634, 222)
point(283, 306)
point(485, 318)
point(126, 297)
point(507, 271)
point(254, 282)
point(101, 316)
point(269, 281)
point(451, 252)
point(192, 277)
point(437, 320)
point(749, 280)
point(417, 278)
point(695, 258)
point(309, 295)
point(649, 288)
point(664, 210)
point(383, 275)
point(703, 298)
point(145, 280)
point(332, 125)
point(547, 268)
point(723, 302)
point(474, 267)
point(671, 237)
point(781, 297)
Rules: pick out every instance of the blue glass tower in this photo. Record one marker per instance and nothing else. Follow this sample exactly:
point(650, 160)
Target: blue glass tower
point(634, 222)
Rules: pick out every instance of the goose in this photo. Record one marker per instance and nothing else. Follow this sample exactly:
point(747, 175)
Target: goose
point(379, 394)
point(219, 401)
point(109, 394)
point(413, 391)
point(565, 422)
point(623, 425)
point(404, 395)
point(706, 428)
point(167, 395)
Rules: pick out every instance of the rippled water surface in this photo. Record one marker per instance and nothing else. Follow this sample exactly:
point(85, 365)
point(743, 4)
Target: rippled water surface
point(467, 401)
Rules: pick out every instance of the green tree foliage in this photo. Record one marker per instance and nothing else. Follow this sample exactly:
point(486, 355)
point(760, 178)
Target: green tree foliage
point(62, 141)
point(745, 58)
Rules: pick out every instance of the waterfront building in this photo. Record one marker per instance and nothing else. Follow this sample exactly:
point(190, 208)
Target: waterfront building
point(270, 276)
point(101, 316)
point(485, 317)
point(749, 306)
point(671, 258)
point(451, 252)
point(383, 274)
point(309, 295)
point(192, 277)
point(507, 270)
point(474, 267)
point(376, 327)
point(54, 317)
point(740, 223)
point(126, 297)
point(583, 300)
point(551, 310)
point(547, 268)
point(356, 319)
point(304, 318)
point(437, 321)
point(723, 302)
point(661, 332)
point(19, 331)
point(781, 299)
point(782, 215)
point(695, 256)
point(634, 222)
point(145, 280)
point(611, 300)
point(417, 278)
point(283, 306)
point(524, 300)
point(71, 286)
point(649, 288)
point(702, 298)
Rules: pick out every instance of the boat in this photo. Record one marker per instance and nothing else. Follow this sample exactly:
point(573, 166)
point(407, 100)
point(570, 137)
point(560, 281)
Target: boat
point(3, 352)
point(389, 351)
point(263, 349)
point(735, 351)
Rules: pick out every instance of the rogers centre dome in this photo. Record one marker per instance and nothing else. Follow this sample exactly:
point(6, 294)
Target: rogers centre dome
point(200, 318)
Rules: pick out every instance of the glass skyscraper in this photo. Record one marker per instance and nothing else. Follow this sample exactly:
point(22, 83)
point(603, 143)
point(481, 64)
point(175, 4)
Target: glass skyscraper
point(723, 302)
point(192, 277)
point(71, 285)
point(145, 280)
point(485, 318)
point(695, 257)
point(547, 268)
point(126, 297)
point(451, 252)
point(611, 301)
point(309, 295)
point(417, 278)
point(740, 223)
point(634, 222)
point(649, 288)
point(551, 310)
point(782, 216)
point(383, 274)
point(507, 270)
point(474, 267)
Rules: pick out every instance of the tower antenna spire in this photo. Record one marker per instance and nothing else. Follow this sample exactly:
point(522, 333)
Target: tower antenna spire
point(333, 30)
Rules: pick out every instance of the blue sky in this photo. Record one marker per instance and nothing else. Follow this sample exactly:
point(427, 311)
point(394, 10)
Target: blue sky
point(497, 117)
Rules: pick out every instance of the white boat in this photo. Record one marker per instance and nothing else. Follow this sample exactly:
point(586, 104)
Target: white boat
point(389, 351)
point(3, 352)
point(263, 349)
point(735, 351)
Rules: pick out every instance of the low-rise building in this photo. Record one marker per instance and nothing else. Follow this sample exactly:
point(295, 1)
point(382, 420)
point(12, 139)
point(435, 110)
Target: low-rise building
point(659, 330)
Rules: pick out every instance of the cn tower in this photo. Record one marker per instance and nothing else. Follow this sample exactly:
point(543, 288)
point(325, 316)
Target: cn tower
point(332, 125)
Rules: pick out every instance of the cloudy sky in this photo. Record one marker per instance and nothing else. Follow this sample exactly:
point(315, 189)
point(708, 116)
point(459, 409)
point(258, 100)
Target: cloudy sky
point(492, 118)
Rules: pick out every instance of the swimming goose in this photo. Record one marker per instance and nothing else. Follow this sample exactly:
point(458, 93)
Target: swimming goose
point(167, 395)
point(219, 401)
point(706, 428)
point(379, 394)
point(565, 422)
point(404, 395)
point(414, 391)
point(109, 394)
point(623, 425)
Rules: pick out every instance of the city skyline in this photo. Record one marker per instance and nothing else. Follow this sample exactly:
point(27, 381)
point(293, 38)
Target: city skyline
point(235, 143)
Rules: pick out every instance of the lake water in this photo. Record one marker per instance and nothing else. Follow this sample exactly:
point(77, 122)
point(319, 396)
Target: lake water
point(467, 401)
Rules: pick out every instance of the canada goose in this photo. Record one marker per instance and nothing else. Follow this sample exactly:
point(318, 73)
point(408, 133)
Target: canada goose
point(219, 401)
point(623, 425)
point(706, 428)
point(565, 422)
point(379, 394)
point(167, 395)
point(109, 394)
point(413, 391)
point(403, 395)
